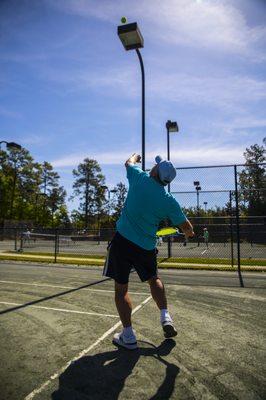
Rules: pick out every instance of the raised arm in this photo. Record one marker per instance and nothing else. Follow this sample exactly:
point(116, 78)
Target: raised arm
point(135, 158)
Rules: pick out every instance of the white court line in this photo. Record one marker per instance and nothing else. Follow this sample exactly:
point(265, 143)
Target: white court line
point(60, 309)
point(67, 287)
point(81, 354)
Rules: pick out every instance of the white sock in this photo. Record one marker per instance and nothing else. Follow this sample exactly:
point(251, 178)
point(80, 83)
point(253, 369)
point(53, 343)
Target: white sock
point(165, 316)
point(128, 331)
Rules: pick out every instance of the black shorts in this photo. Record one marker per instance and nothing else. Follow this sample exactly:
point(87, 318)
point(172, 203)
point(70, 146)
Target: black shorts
point(123, 255)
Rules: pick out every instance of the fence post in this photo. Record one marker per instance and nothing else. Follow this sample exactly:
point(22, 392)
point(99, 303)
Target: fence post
point(16, 245)
point(237, 230)
point(21, 242)
point(55, 245)
point(231, 228)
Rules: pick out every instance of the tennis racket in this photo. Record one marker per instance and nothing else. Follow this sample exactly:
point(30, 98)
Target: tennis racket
point(169, 232)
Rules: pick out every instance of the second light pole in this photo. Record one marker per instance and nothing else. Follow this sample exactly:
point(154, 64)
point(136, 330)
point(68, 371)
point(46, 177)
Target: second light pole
point(132, 39)
point(170, 127)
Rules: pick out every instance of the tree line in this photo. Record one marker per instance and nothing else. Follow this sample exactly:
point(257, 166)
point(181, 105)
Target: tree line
point(31, 194)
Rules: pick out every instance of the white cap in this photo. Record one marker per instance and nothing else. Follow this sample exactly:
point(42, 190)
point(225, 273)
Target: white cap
point(166, 170)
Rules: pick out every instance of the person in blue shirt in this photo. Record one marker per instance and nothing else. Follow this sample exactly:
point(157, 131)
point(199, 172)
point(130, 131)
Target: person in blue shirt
point(134, 244)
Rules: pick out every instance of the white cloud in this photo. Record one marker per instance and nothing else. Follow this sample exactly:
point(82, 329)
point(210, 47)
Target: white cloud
point(210, 24)
point(9, 113)
point(105, 78)
point(228, 92)
point(200, 155)
point(37, 140)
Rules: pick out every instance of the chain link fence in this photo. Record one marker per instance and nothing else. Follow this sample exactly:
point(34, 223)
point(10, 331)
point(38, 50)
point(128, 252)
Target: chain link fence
point(228, 220)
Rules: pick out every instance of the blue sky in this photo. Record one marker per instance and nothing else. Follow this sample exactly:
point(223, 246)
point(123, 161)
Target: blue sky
point(69, 90)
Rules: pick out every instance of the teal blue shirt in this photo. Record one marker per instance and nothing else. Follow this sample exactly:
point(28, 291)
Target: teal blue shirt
point(147, 204)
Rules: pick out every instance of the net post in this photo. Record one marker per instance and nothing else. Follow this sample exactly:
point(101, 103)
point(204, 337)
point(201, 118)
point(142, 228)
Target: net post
point(237, 230)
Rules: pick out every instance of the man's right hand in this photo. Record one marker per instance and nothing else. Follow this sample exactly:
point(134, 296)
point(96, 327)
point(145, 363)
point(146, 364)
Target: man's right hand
point(135, 158)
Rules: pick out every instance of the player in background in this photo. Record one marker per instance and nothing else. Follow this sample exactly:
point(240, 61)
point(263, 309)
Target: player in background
point(206, 237)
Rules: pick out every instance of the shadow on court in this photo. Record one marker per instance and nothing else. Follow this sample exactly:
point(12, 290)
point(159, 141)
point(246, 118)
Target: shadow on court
point(103, 375)
point(53, 296)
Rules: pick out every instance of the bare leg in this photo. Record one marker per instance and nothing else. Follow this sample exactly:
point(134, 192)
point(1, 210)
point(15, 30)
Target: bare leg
point(158, 295)
point(158, 292)
point(123, 303)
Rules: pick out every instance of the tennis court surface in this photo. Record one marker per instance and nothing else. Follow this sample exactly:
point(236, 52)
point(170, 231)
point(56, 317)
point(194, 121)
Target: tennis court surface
point(57, 324)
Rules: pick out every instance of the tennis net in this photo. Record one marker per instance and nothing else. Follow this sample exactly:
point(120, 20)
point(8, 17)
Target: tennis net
point(43, 241)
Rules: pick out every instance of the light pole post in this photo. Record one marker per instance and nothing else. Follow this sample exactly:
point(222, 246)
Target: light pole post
point(168, 149)
point(198, 188)
point(132, 39)
point(143, 109)
point(170, 127)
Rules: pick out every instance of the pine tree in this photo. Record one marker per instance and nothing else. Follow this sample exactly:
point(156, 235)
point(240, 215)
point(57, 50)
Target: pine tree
point(119, 199)
point(87, 186)
point(252, 181)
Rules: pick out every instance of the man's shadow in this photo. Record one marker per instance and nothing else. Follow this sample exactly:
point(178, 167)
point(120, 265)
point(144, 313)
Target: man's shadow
point(103, 375)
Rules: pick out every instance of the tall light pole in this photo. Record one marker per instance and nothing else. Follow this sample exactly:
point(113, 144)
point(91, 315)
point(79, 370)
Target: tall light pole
point(171, 126)
point(198, 188)
point(132, 39)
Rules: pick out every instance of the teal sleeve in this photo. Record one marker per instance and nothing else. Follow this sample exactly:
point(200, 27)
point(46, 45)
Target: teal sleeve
point(175, 214)
point(133, 172)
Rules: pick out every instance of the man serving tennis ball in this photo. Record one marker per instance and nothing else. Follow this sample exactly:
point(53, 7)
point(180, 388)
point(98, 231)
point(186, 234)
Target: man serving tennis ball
point(134, 244)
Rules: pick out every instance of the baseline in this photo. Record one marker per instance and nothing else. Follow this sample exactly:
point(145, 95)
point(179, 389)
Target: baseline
point(68, 287)
point(61, 310)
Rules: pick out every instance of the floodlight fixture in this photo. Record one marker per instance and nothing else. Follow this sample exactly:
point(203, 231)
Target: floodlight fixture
point(130, 36)
point(172, 126)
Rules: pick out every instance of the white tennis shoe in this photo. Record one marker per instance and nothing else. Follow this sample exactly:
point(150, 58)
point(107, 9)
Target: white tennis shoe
point(129, 343)
point(168, 328)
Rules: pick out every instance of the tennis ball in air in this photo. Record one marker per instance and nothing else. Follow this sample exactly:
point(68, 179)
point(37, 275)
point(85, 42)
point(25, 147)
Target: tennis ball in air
point(124, 20)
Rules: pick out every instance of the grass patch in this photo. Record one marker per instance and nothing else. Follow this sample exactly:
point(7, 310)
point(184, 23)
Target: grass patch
point(51, 260)
point(70, 255)
point(164, 263)
point(187, 260)
point(221, 261)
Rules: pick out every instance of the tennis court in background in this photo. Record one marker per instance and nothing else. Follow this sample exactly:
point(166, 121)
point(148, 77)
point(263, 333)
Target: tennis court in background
point(68, 244)
point(57, 323)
